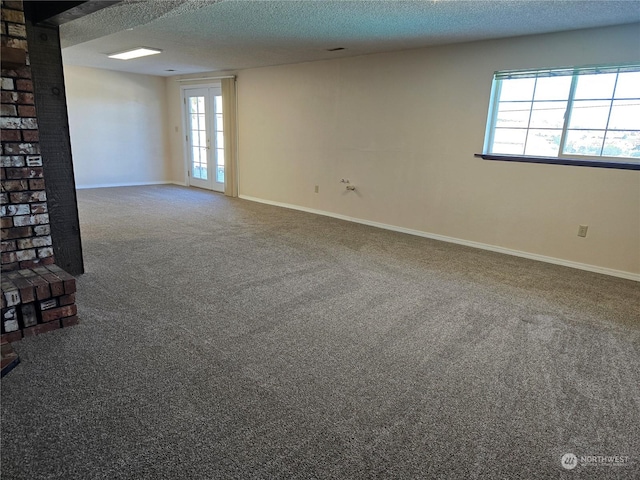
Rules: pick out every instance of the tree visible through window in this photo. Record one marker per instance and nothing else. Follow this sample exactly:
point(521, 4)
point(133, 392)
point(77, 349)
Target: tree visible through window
point(585, 112)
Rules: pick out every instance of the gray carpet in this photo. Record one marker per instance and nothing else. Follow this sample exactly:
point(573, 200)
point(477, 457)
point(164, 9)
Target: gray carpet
point(224, 339)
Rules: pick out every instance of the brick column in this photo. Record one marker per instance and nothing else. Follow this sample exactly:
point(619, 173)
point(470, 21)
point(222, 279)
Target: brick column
point(37, 296)
point(26, 233)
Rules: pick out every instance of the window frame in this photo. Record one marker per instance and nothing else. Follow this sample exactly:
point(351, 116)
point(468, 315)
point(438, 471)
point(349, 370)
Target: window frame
point(602, 161)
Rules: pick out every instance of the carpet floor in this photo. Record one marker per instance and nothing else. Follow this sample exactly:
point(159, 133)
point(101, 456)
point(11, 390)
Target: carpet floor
point(225, 339)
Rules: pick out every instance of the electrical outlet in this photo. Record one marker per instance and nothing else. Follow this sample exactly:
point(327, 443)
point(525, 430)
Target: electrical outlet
point(582, 230)
point(317, 189)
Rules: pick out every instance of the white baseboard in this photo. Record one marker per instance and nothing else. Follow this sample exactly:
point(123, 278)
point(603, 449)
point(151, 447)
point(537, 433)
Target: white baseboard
point(459, 241)
point(123, 184)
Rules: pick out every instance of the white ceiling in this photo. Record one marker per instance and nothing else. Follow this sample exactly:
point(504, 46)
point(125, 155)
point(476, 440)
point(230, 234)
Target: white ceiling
point(208, 35)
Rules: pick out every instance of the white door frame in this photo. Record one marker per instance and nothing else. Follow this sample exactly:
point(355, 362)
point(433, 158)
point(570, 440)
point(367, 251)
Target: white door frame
point(211, 90)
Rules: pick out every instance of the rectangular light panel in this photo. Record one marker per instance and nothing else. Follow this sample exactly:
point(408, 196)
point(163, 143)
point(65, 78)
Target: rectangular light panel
point(135, 53)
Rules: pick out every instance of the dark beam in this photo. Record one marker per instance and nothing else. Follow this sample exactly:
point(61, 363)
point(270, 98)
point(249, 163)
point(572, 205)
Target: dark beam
point(55, 13)
point(55, 144)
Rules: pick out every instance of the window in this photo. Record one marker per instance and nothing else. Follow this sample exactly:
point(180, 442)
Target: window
point(588, 113)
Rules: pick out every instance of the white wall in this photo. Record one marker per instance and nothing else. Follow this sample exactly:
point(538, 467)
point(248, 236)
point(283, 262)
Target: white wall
point(403, 127)
point(117, 123)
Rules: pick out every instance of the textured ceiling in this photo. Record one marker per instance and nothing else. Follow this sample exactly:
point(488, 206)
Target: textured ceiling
point(208, 35)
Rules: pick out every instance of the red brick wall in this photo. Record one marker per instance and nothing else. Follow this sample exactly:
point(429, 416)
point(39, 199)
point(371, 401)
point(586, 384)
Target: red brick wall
point(26, 234)
point(36, 301)
point(37, 296)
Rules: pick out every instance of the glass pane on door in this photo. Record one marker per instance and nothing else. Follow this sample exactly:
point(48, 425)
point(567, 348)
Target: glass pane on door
point(198, 137)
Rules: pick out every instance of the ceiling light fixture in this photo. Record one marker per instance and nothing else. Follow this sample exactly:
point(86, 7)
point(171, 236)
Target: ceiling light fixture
point(135, 53)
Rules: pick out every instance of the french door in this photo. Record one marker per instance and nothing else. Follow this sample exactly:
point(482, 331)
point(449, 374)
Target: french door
point(204, 137)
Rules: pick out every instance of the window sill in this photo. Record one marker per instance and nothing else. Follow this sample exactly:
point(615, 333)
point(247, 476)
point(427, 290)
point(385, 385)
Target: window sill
point(560, 161)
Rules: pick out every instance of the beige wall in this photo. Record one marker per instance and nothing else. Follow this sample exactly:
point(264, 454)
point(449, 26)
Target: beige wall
point(117, 126)
point(403, 128)
point(175, 131)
